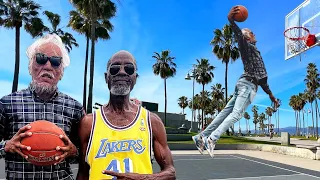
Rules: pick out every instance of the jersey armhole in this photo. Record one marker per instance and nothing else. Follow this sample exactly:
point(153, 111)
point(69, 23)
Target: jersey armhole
point(150, 134)
point(91, 136)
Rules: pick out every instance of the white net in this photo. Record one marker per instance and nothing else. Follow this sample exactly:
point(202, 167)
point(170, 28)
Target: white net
point(295, 37)
point(49, 42)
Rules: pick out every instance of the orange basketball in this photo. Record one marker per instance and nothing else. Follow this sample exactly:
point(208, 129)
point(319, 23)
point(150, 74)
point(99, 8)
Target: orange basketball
point(43, 142)
point(242, 15)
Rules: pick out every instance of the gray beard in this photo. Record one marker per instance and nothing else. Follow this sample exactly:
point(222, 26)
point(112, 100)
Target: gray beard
point(40, 89)
point(120, 90)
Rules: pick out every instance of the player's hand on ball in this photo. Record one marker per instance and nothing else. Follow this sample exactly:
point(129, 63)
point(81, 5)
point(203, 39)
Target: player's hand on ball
point(68, 150)
point(14, 144)
point(233, 12)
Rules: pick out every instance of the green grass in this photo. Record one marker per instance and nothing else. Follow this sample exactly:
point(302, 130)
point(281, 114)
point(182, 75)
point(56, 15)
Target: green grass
point(231, 140)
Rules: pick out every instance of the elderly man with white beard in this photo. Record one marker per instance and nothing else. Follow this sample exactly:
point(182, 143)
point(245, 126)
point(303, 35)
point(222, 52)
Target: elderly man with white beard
point(40, 101)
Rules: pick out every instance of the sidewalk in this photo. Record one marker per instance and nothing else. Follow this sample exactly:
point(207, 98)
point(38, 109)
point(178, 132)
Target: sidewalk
point(280, 158)
point(295, 141)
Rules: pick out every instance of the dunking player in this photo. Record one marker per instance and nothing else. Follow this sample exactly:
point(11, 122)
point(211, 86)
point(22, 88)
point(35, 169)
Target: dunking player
point(254, 75)
point(118, 138)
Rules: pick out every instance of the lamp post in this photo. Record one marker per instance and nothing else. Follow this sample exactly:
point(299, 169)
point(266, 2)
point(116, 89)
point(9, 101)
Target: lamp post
point(188, 77)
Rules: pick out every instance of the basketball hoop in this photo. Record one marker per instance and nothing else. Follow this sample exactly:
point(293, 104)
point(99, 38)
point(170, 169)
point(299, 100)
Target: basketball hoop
point(297, 38)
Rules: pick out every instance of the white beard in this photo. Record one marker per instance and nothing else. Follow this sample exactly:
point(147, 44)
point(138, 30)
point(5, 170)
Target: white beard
point(43, 89)
point(120, 90)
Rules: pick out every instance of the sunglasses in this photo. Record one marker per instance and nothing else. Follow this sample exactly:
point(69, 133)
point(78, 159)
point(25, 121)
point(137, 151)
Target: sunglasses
point(128, 68)
point(42, 59)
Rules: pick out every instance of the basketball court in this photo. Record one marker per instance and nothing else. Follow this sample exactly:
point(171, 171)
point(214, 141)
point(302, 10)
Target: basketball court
point(225, 166)
point(302, 29)
point(232, 167)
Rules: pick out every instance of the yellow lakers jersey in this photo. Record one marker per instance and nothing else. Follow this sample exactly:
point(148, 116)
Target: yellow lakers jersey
point(119, 149)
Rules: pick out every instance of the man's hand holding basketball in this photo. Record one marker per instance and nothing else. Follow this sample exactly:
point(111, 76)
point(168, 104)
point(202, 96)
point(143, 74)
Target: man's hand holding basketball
point(14, 144)
point(233, 11)
point(69, 150)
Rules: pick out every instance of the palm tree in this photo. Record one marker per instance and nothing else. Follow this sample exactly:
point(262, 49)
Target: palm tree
point(268, 112)
point(310, 99)
point(13, 15)
point(312, 81)
point(224, 43)
point(203, 75)
point(183, 102)
point(294, 103)
point(196, 106)
point(97, 11)
point(166, 68)
point(66, 37)
point(255, 117)
point(247, 117)
point(204, 102)
point(262, 118)
point(301, 103)
point(82, 24)
point(217, 91)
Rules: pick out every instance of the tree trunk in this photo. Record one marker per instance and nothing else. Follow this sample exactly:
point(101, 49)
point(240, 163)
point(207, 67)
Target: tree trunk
point(278, 122)
point(202, 105)
point(17, 63)
point(255, 128)
point(299, 123)
point(226, 82)
point(268, 123)
point(296, 115)
point(84, 99)
point(317, 130)
point(93, 17)
point(304, 126)
point(165, 102)
point(312, 120)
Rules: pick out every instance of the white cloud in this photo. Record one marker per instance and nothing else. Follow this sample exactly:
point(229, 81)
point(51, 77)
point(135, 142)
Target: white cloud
point(281, 109)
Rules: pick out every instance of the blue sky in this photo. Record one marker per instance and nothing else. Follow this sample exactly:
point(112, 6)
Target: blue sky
point(185, 28)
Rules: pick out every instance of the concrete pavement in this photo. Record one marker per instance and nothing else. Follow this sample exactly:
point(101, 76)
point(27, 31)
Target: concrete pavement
point(294, 141)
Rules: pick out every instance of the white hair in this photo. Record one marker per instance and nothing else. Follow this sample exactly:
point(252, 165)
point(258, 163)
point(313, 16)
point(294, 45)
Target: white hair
point(246, 32)
point(49, 38)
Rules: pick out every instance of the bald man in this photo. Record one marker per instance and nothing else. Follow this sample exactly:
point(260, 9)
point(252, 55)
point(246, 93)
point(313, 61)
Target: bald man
point(117, 140)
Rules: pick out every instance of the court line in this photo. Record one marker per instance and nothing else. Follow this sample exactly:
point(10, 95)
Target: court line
point(275, 166)
point(258, 177)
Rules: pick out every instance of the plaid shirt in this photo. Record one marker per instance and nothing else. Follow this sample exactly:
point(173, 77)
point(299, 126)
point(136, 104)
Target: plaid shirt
point(23, 107)
point(254, 67)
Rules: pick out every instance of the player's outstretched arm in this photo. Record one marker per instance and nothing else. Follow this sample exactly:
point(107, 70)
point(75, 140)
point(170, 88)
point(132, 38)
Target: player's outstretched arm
point(84, 134)
point(161, 152)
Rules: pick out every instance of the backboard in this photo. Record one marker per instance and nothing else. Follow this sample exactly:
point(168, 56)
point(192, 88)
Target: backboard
point(306, 15)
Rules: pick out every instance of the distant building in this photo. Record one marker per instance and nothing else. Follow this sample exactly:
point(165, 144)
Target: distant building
point(173, 119)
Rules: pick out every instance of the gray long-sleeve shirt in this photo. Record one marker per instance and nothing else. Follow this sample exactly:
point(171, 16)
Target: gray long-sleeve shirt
point(254, 67)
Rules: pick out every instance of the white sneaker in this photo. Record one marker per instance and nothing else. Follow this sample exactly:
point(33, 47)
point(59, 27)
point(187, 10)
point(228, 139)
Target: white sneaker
point(199, 143)
point(211, 145)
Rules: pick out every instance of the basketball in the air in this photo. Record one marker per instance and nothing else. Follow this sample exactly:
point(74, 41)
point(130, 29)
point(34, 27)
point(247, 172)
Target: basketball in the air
point(43, 142)
point(242, 15)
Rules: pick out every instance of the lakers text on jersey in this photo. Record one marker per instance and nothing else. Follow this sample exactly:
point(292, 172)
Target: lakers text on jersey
point(120, 149)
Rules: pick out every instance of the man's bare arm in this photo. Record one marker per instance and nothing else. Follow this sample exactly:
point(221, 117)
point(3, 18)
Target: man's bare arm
point(84, 134)
point(161, 150)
